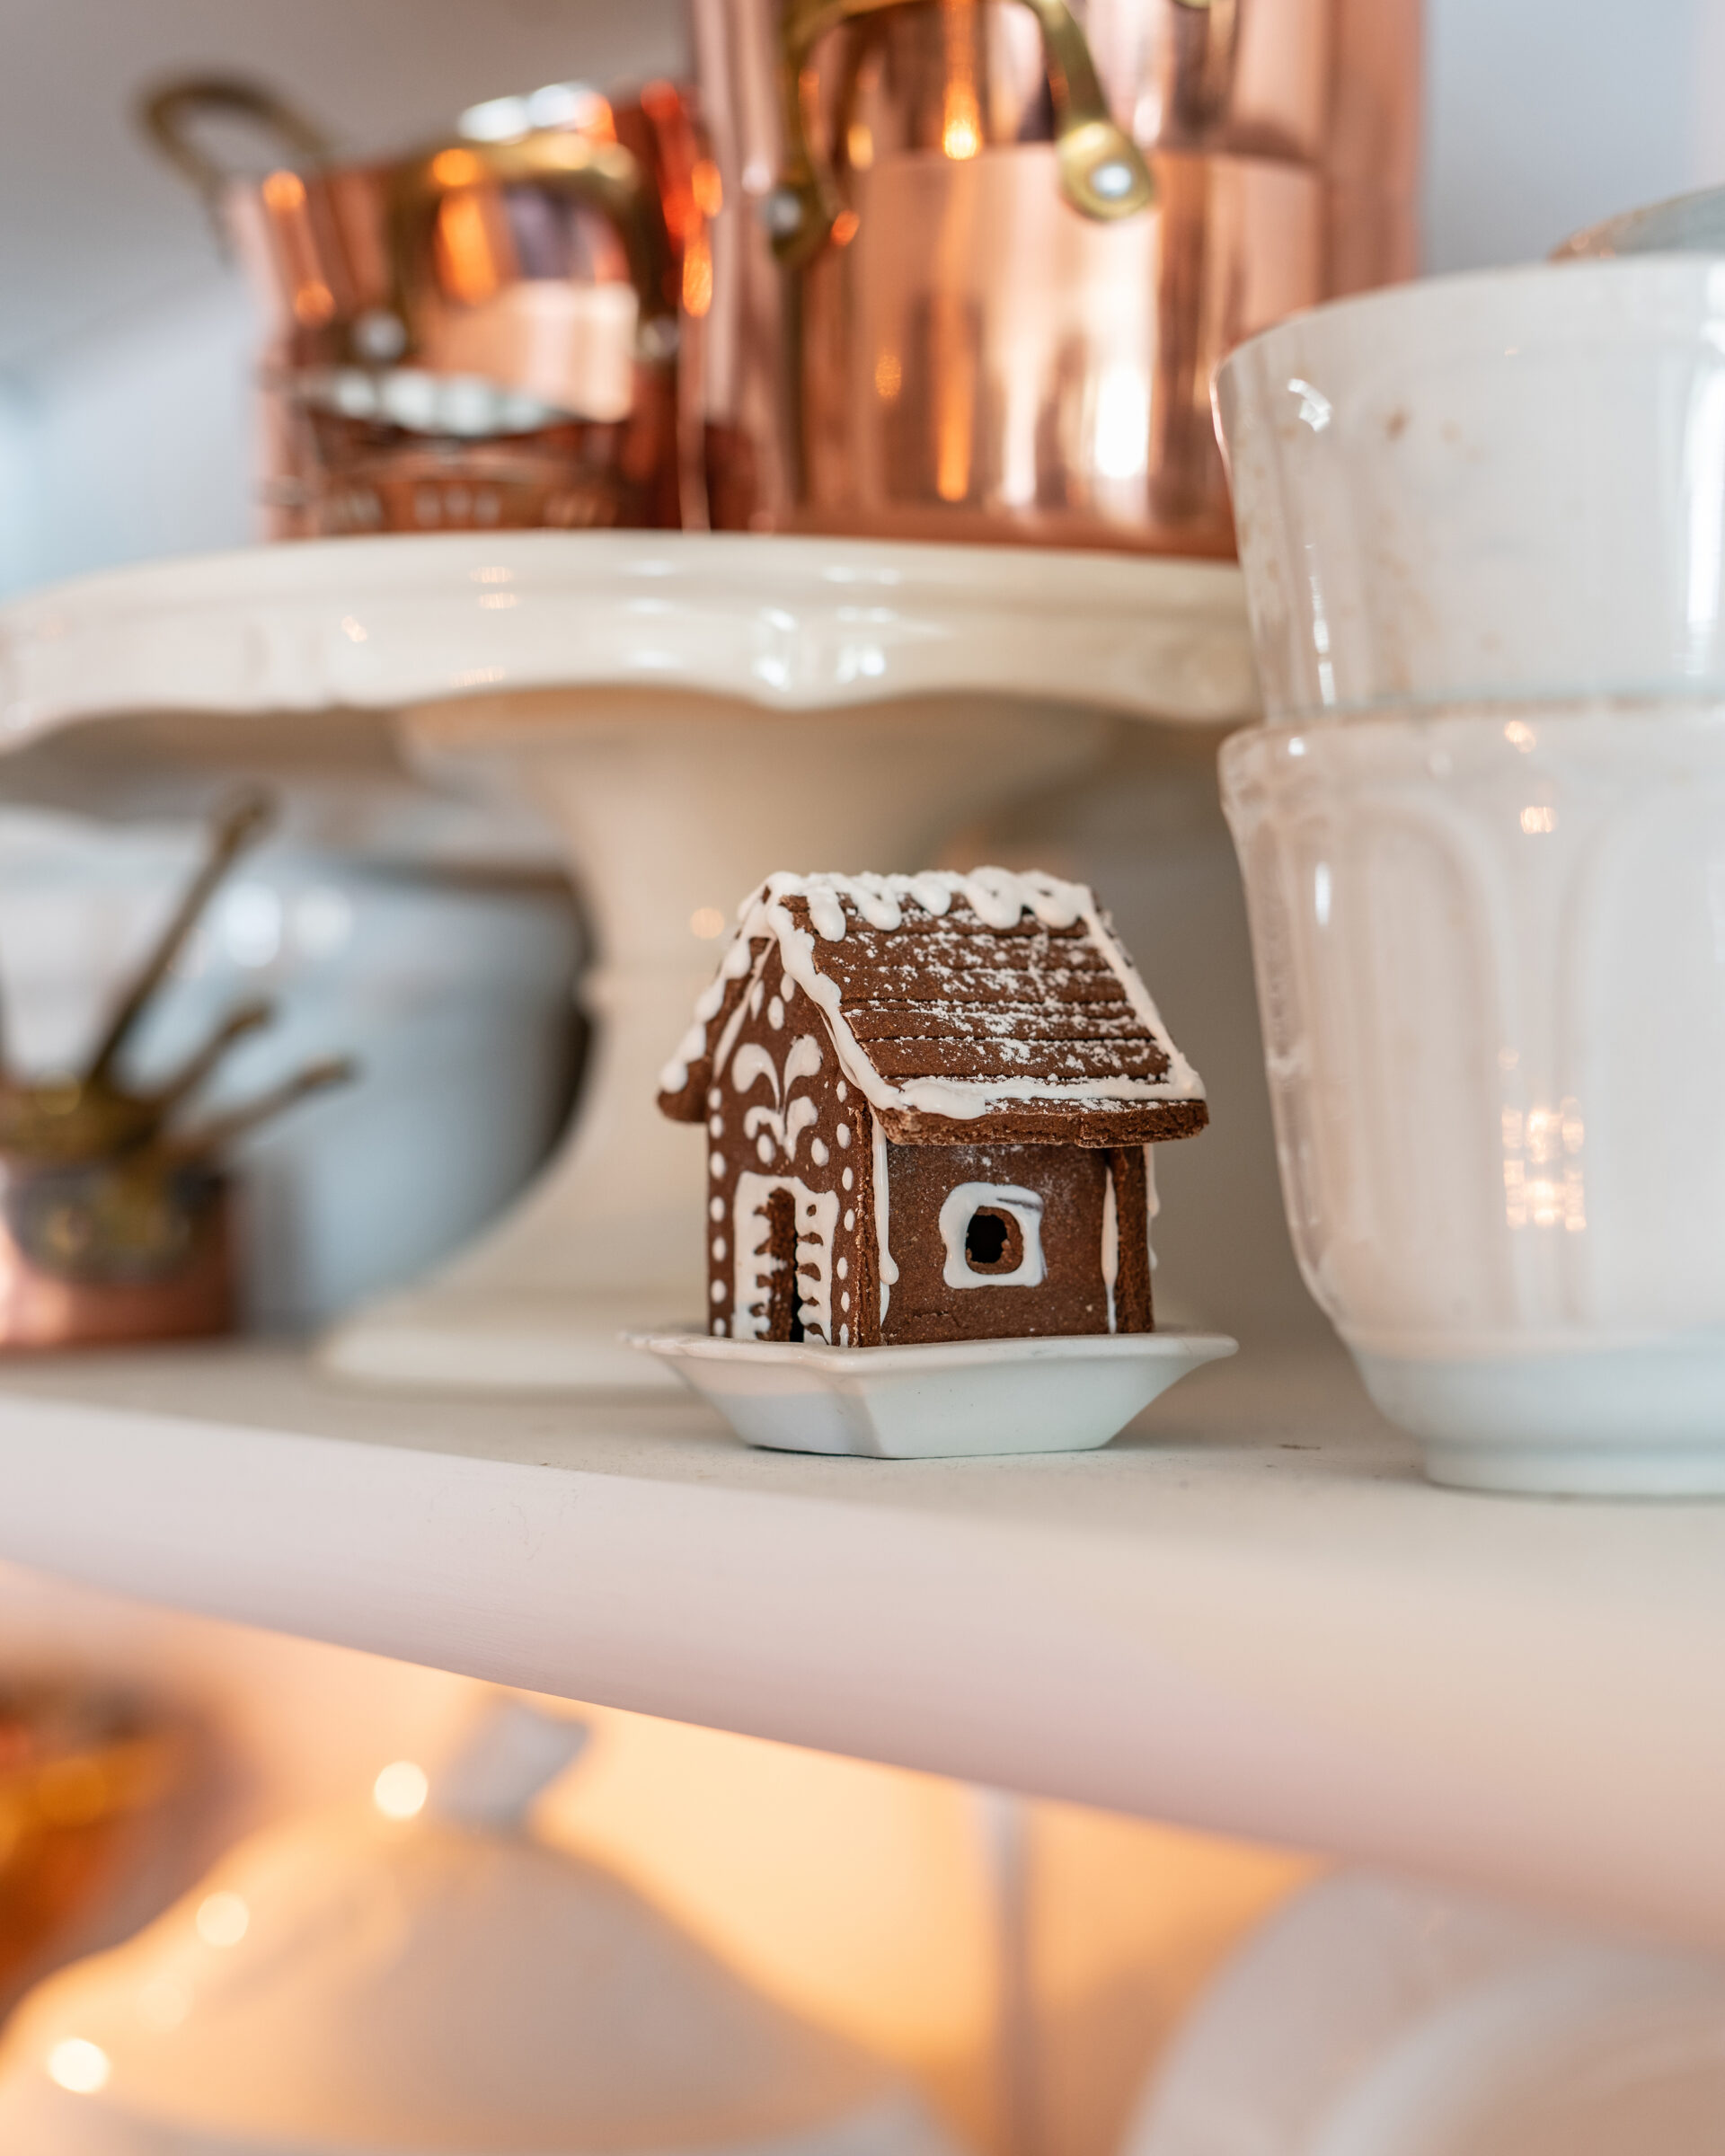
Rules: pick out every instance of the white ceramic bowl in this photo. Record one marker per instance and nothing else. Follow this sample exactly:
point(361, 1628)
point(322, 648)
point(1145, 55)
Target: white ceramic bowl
point(1506, 484)
point(1374, 2018)
point(1490, 956)
point(1682, 225)
point(451, 990)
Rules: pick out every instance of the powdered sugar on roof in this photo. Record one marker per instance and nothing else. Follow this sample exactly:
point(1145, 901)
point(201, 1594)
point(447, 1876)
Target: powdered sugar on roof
point(956, 994)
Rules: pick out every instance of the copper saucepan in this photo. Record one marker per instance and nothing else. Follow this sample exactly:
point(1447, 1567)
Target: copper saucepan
point(978, 258)
point(482, 334)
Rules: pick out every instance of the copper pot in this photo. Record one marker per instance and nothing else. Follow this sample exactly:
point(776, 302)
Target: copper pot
point(978, 258)
point(111, 1253)
point(483, 334)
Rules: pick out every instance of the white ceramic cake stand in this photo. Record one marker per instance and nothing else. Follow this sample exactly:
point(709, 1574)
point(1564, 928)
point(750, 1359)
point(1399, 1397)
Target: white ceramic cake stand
point(687, 713)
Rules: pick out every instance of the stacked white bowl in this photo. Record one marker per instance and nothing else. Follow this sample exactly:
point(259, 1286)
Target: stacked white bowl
point(1482, 523)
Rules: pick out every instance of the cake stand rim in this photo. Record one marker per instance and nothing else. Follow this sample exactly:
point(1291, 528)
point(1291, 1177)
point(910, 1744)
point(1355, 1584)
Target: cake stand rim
point(781, 621)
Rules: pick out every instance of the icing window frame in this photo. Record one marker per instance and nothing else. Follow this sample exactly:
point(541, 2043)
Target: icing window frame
point(1023, 1208)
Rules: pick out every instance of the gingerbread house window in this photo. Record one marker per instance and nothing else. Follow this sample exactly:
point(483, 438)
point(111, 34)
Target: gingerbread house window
point(993, 1233)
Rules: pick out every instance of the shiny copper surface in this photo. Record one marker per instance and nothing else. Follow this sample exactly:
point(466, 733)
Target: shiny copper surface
point(96, 1257)
point(84, 1778)
point(967, 348)
point(482, 335)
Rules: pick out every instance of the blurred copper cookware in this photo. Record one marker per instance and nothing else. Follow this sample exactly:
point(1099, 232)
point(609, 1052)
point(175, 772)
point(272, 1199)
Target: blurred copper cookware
point(482, 334)
point(950, 300)
point(83, 1776)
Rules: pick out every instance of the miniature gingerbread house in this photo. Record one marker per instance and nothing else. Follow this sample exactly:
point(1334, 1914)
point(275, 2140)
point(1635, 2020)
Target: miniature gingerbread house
point(929, 1103)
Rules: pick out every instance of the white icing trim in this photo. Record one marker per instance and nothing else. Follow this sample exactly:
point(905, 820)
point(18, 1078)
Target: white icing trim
point(1110, 1241)
point(816, 1214)
point(735, 963)
point(882, 1220)
point(734, 1024)
point(786, 1119)
point(1151, 1203)
point(1024, 1207)
point(999, 897)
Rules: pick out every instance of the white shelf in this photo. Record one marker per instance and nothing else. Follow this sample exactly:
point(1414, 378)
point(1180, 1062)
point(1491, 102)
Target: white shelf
point(1249, 1614)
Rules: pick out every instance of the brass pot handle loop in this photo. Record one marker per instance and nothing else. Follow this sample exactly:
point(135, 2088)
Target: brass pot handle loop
point(167, 112)
point(1102, 172)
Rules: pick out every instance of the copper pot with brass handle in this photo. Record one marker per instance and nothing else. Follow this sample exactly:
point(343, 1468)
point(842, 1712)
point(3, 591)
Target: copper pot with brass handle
point(484, 334)
point(978, 258)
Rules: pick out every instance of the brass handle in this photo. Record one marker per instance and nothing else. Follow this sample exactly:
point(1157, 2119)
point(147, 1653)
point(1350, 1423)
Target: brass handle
point(601, 175)
point(1102, 172)
point(166, 114)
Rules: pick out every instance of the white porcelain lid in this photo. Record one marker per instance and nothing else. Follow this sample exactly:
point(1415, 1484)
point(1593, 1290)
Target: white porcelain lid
point(784, 623)
point(1377, 2017)
point(441, 1983)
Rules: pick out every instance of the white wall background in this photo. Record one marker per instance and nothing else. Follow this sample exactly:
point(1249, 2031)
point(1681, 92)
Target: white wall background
point(125, 433)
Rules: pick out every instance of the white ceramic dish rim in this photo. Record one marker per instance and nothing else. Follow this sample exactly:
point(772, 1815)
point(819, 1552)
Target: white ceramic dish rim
point(784, 623)
point(835, 1364)
point(1585, 280)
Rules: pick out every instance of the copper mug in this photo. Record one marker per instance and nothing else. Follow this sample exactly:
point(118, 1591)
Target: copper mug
point(978, 258)
point(483, 334)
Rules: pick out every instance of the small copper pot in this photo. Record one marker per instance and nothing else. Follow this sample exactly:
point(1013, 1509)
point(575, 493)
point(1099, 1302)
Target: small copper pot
point(106, 1253)
point(978, 258)
point(482, 335)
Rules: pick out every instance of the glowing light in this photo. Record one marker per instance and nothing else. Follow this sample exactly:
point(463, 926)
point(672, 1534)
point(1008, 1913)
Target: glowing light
point(283, 191)
point(1122, 423)
point(846, 227)
point(961, 134)
point(697, 276)
point(401, 1789)
point(497, 119)
point(1321, 893)
point(707, 921)
point(314, 303)
point(456, 168)
point(572, 105)
point(859, 146)
point(78, 2065)
point(960, 115)
point(223, 1919)
point(1519, 735)
point(707, 187)
point(1536, 819)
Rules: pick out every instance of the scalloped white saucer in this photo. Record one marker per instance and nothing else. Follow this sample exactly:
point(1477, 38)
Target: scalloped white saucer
point(959, 1399)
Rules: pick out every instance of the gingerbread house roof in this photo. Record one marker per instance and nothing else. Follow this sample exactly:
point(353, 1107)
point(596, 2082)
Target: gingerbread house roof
point(988, 1007)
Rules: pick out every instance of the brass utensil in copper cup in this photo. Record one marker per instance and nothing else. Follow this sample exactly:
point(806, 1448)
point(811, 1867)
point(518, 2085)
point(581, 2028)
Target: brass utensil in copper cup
point(114, 1211)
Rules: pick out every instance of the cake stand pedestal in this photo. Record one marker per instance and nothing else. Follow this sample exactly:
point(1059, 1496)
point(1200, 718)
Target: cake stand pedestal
point(684, 713)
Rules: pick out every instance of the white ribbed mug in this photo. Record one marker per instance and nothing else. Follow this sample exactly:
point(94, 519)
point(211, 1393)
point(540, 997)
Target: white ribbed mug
point(1504, 484)
point(1489, 946)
